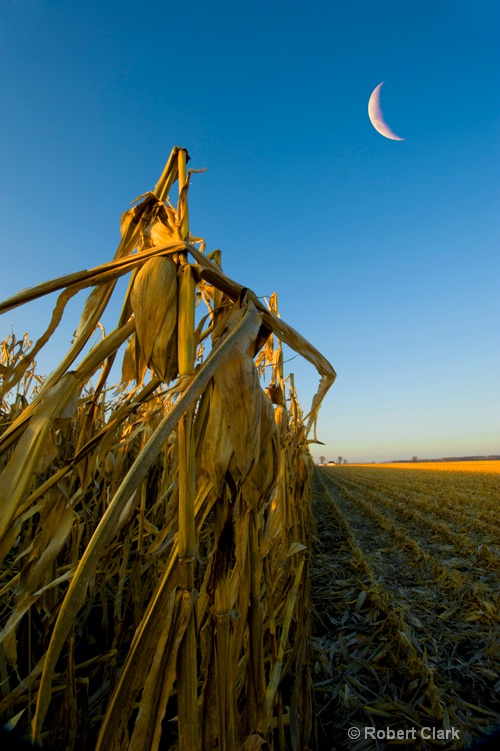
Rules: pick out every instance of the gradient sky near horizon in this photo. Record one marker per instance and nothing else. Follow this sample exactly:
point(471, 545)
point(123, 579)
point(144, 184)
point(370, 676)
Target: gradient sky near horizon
point(384, 253)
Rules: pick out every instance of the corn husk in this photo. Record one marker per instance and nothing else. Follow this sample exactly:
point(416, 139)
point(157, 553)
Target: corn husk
point(154, 303)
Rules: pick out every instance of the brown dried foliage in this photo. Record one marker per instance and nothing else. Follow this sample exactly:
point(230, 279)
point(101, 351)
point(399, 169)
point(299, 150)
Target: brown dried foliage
point(154, 547)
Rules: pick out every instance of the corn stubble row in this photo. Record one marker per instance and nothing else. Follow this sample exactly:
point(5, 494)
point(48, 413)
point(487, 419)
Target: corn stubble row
point(407, 619)
point(155, 547)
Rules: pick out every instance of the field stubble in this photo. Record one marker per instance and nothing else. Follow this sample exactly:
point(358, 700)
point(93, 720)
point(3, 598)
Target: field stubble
point(405, 590)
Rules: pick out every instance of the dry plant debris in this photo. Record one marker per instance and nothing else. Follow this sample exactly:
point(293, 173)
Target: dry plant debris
point(405, 583)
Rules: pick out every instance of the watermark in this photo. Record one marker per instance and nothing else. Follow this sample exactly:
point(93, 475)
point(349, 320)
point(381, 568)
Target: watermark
point(409, 734)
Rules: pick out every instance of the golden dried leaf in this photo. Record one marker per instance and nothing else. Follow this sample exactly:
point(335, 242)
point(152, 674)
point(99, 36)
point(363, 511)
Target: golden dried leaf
point(133, 365)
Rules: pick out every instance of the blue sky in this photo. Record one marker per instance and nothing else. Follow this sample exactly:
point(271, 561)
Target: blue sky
point(384, 254)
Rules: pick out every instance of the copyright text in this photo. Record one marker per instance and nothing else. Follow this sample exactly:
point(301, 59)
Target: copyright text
point(426, 733)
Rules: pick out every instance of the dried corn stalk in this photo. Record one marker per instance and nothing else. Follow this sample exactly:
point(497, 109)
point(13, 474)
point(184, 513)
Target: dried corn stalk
point(155, 547)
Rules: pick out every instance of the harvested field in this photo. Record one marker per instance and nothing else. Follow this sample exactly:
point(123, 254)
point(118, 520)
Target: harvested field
point(405, 583)
point(487, 466)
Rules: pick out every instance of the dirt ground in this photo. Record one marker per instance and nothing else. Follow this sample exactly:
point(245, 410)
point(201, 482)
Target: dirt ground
point(406, 628)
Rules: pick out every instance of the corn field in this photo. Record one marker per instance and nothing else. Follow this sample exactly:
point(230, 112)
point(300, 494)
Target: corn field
point(155, 537)
point(405, 579)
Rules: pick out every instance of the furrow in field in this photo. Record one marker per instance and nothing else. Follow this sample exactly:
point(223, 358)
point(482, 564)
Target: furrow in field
point(465, 551)
point(399, 560)
point(442, 499)
point(469, 594)
point(465, 499)
point(369, 665)
point(438, 615)
point(440, 491)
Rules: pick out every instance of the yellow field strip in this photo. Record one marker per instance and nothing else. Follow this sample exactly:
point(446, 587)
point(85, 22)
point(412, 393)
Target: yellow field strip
point(492, 466)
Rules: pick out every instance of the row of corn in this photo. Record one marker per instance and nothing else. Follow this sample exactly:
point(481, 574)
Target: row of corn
point(154, 546)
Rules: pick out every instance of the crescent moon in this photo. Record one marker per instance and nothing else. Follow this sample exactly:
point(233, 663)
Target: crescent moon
point(377, 118)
